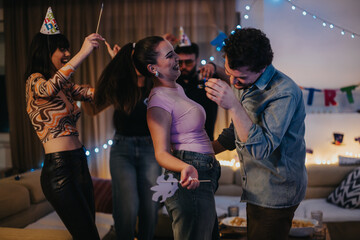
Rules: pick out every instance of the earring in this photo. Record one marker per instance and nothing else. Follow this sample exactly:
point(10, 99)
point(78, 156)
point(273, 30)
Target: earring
point(156, 74)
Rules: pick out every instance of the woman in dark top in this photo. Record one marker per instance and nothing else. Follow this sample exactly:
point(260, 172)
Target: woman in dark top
point(133, 166)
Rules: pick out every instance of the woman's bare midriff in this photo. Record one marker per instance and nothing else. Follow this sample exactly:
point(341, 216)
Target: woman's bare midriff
point(66, 143)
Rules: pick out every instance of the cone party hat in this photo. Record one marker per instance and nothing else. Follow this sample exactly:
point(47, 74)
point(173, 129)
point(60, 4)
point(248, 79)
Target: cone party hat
point(49, 26)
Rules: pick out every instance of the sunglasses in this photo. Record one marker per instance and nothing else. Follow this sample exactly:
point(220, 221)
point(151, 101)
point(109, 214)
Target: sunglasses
point(188, 62)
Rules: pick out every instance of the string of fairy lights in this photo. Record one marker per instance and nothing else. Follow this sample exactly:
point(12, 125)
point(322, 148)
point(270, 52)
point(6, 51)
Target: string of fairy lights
point(294, 7)
point(324, 22)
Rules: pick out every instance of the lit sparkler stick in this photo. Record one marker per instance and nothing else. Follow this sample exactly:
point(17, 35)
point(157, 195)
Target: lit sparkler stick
point(190, 178)
point(101, 10)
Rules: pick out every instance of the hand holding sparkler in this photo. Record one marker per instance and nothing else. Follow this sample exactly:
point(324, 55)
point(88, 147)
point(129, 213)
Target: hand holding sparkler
point(167, 188)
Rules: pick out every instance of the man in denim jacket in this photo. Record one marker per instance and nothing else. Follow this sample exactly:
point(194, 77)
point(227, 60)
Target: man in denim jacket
point(267, 130)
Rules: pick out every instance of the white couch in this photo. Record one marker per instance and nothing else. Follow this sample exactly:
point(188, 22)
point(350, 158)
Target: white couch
point(343, 224)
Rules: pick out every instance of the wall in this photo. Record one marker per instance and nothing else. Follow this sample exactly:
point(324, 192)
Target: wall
point(319, 136)
point(318, 57)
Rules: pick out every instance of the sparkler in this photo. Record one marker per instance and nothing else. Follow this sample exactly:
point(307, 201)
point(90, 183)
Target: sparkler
point(101, 10)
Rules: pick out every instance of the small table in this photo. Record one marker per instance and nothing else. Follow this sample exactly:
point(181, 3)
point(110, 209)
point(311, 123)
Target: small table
point(230, 233)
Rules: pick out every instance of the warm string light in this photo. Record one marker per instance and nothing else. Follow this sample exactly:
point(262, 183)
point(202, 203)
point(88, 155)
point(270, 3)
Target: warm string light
point(350, 154)
point(230, 163)
point(347, 159)
point(310, 160)
point(325, 23)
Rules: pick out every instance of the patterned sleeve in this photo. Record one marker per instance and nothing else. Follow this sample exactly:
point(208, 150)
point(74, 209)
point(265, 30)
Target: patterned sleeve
point(47, 88)
point(82, 93)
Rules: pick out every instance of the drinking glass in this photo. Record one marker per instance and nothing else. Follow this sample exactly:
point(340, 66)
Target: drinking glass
point(233, 211)
point(318, 216)
point(319, 230)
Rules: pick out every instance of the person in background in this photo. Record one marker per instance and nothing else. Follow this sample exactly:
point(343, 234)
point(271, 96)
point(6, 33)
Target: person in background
point(180, 141)
point(51, 105)
point(133, 166)
point(192, 80)
point(267, 130)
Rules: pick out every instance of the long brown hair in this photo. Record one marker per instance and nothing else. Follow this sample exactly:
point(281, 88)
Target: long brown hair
point(118, 84)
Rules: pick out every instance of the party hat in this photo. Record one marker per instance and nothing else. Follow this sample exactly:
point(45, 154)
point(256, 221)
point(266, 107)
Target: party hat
point(49, 26)
point(184, 40)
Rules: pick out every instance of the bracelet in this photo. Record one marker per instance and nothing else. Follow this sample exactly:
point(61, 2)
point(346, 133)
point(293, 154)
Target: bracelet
point(213, 65)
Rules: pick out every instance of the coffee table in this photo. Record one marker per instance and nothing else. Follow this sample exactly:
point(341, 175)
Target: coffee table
point(230, 233)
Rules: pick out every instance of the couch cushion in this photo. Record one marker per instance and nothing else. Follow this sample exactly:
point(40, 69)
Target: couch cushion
point(227, 175)
point(331, 212)
point(238, 177)
point(347, 194)
point(31, 180)
point(318, 192)
point(319, 175)
point(229, 190)
point(103, 195)
point(14, 198)
point(36, 234)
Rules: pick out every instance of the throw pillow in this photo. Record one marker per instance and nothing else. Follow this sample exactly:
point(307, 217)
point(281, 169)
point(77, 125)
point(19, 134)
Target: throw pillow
point(102, 195)
point(347, 194)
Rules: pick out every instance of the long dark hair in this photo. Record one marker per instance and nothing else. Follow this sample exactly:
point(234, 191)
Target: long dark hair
point(118, 83)
point(41, 49)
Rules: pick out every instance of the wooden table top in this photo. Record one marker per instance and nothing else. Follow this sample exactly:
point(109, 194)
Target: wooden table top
point(229, 233)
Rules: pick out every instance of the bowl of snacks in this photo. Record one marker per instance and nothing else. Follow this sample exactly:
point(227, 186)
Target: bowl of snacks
point(235, 222)
point(302, 227)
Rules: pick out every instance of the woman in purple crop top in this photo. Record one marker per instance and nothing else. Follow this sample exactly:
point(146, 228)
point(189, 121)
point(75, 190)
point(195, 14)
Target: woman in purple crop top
point(180, 141)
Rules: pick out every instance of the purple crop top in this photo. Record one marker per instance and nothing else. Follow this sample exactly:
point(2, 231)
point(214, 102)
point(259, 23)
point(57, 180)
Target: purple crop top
point(188, 119)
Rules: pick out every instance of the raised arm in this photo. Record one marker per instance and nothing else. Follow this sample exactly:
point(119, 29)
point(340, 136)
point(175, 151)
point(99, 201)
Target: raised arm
point(90, 42)
point(112, 51)
point(50, 87)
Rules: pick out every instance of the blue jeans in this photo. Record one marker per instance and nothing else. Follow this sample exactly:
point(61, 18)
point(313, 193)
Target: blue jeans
point(193, 212)
point(134, 171)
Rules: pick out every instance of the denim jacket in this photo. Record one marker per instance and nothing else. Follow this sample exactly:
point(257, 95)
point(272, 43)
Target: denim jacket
point(272, 160)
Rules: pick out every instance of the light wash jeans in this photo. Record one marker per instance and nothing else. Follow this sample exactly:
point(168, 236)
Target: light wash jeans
point(134, 171)
point(193, 212)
